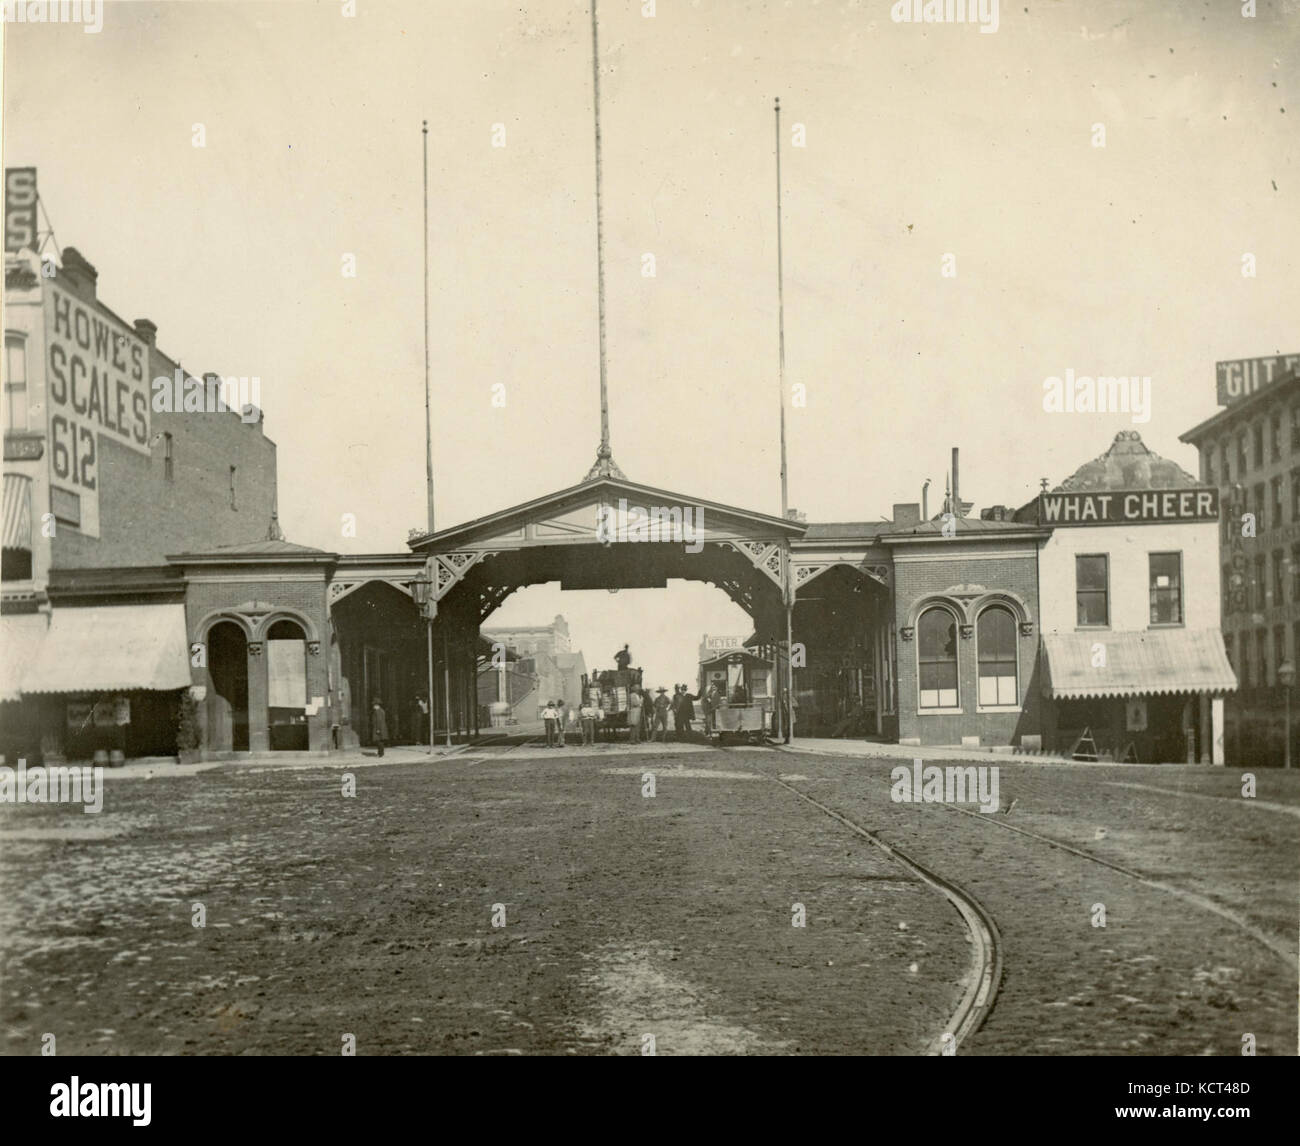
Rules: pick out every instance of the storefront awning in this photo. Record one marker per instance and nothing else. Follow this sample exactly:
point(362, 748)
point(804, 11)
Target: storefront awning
point(112, 648)
point(17, 512)
point(1137, 664)
point(20, 638)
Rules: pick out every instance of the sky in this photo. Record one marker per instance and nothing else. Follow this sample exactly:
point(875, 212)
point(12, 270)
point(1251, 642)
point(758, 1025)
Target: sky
point(920, 141)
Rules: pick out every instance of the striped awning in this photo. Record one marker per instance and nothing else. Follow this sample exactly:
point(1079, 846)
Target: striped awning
point(1149, 663)
point(20, 638)
point(17, 512)
point(112, 648)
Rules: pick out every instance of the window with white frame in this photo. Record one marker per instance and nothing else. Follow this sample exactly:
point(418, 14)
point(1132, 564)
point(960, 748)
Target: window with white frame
point(15, 383)
point(936, 651)
point(995, 635)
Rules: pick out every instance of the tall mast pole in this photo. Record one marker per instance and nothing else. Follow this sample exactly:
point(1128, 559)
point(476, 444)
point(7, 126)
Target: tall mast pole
point(428, 469)
point(605, 465)
point(786, 592)
point(780, 311)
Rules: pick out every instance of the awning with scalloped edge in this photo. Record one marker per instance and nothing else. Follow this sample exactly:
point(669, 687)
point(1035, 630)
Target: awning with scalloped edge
point(1156, 661)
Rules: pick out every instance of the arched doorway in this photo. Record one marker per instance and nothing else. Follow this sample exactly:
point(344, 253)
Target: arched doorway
point(227, 701)
point(286, 686)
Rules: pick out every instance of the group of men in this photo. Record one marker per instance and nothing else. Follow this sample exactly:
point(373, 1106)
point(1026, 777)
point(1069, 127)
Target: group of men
point(647, 717)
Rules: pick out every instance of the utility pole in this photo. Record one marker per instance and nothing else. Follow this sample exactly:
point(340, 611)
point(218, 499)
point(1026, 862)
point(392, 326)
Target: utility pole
point(431, 600)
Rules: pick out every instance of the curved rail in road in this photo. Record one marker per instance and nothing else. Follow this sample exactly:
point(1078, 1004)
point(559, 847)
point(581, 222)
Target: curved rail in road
point(981, 990)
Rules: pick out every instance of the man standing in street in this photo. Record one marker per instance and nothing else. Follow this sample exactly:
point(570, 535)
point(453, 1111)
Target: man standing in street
point(378, 725)
point(634, 716)
point(551, 717)
point(622, 659)
point(662, 706)
point(688, 711)
point(588, 714)
point(678, 727)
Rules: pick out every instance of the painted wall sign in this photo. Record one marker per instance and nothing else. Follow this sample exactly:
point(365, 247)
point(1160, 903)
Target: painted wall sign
point(1243, 376)
point(98, 389)
point(712, 643)
point(1129, 507)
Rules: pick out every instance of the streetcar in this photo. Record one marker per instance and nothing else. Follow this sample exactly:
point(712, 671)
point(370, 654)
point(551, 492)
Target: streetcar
point(609, 690)
point(736, 695)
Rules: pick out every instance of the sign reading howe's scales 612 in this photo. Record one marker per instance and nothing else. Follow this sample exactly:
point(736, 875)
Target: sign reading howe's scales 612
point(1132, 507)
point(97, 391)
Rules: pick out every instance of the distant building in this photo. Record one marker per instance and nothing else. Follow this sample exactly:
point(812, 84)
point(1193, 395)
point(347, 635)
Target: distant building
point(527, 639)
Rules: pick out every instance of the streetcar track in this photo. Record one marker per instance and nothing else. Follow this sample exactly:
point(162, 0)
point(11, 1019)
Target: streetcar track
point(1204, 902)
point(982, 986)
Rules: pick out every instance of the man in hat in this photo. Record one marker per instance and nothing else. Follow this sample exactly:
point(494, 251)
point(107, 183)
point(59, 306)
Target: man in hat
point(622, 659)
point(378, 724)
point(551, 717)
point(662, 707)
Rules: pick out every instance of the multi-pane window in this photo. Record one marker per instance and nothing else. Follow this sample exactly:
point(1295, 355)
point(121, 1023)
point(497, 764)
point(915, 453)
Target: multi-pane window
point(1279, 584)
point(15, 382)
point(1243, 668)
point(936, 650)
point(1208, 465)
point(1166, 581)
point(1261, 584)
point(1092, 589)
point(1261, 649)
point(1257, 440)
point(1257, 496)
point(996, 637)
point(1276, 488)
point(1275, 436)
point(1223, 461)
point(1241, 455)
point(1279, 646)
point(1227, 589)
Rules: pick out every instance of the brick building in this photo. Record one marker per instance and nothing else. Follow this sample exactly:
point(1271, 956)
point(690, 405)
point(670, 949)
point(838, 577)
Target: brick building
point(1250, 453)
point(101, 483)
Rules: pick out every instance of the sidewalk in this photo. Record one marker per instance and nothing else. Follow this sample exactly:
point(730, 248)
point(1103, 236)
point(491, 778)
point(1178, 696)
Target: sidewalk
point(871, 750)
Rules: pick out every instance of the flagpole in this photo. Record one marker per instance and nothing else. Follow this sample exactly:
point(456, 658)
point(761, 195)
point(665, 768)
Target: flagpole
point(428, 441)
point(786, 594)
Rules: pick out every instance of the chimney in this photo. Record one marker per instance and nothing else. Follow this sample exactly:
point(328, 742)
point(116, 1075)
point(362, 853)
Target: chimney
point(147, 331)
point(956, 493)
point(78, 274)
point(925, 501)
point(907, 513)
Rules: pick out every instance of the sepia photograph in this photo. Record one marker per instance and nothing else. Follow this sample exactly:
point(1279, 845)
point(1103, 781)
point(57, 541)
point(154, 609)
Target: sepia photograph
point(651, 527)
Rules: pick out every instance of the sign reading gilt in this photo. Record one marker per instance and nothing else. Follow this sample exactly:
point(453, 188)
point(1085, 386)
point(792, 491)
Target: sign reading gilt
point(1242, 377)
point(1129, 507)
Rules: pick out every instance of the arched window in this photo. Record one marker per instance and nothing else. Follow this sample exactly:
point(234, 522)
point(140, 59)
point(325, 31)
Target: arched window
point(936, 650)
point(996, 637)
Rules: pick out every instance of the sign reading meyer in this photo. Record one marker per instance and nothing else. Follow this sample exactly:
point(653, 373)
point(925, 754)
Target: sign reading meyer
point(1243, 376)
point(1132, 507)
point(97, 388)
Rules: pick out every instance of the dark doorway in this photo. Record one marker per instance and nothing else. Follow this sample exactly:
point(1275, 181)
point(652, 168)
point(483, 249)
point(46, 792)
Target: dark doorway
point(228, 701)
